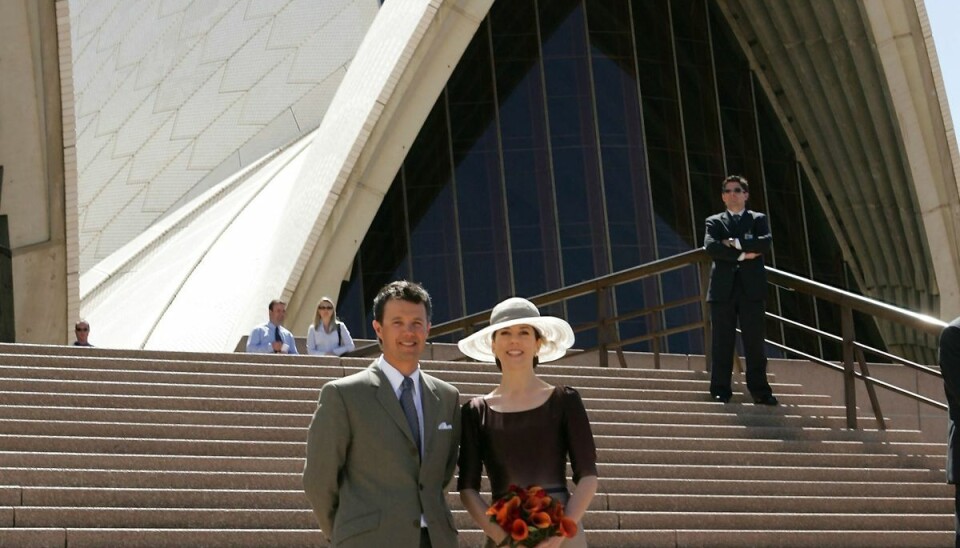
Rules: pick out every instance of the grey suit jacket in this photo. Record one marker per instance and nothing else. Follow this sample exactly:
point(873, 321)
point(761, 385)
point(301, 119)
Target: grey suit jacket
point(363, 474)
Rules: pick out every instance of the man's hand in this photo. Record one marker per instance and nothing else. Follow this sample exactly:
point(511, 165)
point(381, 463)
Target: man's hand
point(276, 345)
point(751, 255)
point(730, 242)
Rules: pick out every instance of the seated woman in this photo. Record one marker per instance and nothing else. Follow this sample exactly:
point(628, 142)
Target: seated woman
point(524, 430)
point(328, 336)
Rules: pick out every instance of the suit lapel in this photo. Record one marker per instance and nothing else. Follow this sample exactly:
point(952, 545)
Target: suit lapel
point(389, 401)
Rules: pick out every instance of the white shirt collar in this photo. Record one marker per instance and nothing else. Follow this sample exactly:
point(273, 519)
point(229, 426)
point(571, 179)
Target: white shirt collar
point(396, 378)
point(741, 212)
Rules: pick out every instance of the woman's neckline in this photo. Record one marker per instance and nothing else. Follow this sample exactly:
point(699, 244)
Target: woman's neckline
point(542, 405)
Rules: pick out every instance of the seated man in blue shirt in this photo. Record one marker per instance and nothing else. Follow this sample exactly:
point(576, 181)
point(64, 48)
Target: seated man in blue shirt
point(272, 337)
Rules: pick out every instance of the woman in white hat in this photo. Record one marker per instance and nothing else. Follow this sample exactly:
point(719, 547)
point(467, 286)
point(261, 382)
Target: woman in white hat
point(524, 430)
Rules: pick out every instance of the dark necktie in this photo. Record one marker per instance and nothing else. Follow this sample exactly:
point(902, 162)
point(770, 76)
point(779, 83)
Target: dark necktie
point(736, 219)
point(277, 337)
point(410, 409)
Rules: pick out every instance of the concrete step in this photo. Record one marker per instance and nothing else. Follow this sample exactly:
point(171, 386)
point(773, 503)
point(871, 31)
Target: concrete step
point(658, 456)
point(150, 479)
point(106, 461)
point(781, 538)
point(163, 498)
point(292, 434)
point(780, 487)
point(57, 537)
point(771, 504)
point(749, 416)
point(201, 479)
point(130, 448)
point(161, 416)
point(263, 518)
point(668, 538)
point(733, 471)
point(55, 386)
point(126, 461)
point(773, 445)
point(148, 430)
point(753, 521)
point(127, 401)
point(158, 446)
point(297, 448)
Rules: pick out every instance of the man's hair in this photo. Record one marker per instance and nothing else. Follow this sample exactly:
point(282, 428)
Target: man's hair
point(81, 322)
point(402, 290)
point(739, 179)
point(275, 302)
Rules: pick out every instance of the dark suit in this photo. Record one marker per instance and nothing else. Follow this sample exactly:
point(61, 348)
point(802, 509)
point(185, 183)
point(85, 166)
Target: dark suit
point(950, 367)
point(737, 291)
point(363, 474)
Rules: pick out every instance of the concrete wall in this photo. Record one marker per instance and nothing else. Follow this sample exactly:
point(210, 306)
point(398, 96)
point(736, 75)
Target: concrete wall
point(31, 151)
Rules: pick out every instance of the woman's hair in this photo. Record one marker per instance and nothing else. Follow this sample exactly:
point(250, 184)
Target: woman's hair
point(536, 359)
point(318, 321)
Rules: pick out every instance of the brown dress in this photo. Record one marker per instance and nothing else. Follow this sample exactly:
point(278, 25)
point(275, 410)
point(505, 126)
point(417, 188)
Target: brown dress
point(528, 447)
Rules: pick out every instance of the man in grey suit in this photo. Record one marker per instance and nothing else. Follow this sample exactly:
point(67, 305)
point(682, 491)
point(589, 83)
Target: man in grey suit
point(383, 442)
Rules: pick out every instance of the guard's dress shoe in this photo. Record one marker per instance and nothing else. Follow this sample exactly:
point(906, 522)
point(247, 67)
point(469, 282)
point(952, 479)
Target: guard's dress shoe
point(719, 398)
point(766, 400)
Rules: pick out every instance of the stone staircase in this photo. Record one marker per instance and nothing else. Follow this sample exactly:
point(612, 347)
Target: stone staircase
point(137, 448)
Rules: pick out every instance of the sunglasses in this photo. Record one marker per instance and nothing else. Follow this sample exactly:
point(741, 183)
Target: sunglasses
point(324, 308)
point(737, 190)
point(82, 329)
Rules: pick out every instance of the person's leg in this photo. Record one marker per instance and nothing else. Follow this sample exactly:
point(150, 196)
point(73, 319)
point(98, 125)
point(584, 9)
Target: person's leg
point(723, 318)
point(753, 331)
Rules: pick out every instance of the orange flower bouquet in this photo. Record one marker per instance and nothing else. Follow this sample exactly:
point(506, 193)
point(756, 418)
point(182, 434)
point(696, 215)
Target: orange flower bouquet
point(530, 516)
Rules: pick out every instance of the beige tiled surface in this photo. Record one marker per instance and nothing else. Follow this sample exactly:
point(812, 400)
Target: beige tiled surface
point(168, 91)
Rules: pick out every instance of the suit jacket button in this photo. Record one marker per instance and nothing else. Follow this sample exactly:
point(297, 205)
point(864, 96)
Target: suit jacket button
point(421, 487)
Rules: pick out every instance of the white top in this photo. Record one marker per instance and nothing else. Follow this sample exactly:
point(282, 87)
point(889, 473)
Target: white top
point(321, 343)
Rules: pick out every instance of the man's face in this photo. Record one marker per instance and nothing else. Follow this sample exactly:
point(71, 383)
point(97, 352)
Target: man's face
point(83, 331)
point(733, 196)
point(403, 333)
point(278, 314)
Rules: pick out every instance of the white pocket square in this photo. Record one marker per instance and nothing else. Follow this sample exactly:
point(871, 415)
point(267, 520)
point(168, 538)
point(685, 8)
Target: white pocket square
point(445, 426)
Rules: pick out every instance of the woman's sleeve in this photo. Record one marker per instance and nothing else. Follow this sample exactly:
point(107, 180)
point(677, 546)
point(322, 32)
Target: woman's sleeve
point(579, 436)
point(311, 340)
point(469, 463)
point(348, 344)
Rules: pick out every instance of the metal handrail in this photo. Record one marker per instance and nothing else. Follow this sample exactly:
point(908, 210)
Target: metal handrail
point(848, 303)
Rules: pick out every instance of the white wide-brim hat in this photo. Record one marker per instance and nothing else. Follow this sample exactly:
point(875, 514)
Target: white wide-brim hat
point(556, 335)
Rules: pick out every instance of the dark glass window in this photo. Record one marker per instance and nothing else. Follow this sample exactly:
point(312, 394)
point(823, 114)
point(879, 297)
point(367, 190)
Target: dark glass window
point(576, 138)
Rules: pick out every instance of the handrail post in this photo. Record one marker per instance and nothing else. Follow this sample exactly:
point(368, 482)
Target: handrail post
point(849, 385)
point(705, 315)
point(602, 325)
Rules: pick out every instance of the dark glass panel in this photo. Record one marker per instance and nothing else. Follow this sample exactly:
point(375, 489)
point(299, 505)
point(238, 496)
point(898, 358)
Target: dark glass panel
point(482, 222)
point(699, 102)
point(351, 307)
point(434, 253)
point(528, 181)
point(620, 128)
point(663, 132)
point(573, 137)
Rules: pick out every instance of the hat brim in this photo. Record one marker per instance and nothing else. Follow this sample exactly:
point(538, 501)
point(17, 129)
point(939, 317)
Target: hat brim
point(556, 334)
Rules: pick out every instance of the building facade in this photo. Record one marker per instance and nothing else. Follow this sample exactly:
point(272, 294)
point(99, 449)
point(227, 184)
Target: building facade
point(491, 149)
